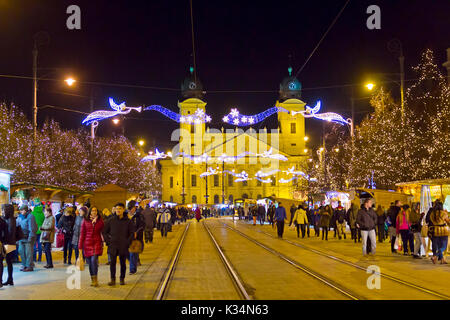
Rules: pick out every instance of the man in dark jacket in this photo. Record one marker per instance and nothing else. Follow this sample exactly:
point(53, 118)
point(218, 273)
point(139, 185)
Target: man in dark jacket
point(150, 223)
point(366, 220)
point(280, 216)
point(139, 225)
point(118, 234)
point(27, 223)
point(261, 214)
point(340, 216)
point(392, 216)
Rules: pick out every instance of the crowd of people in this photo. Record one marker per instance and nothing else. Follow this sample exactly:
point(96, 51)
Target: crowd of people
point(404, 226)
point(83, 230)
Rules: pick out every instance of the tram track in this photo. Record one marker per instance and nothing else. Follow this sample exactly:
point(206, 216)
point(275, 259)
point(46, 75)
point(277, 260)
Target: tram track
point(342, 261)
point(308, 271)
point(168, 277)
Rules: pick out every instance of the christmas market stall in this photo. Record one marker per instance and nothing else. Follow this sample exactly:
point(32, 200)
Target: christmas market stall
point(427, 191)
point(24, 192)
point(5, 185)
point(109, 195)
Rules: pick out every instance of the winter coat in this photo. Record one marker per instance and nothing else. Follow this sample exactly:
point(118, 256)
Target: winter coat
point(49, 225)
point(139, 225)
point(118, 234)
point(39, 217)
point(325, 217)
point(280, 214)
point(261, 211)
point(352, 214)
point(3, 232)
point(66, 224)
point(300, 217)
point(77, 230)
point(339, 214)
point(315, 217)
point(28, 225)
point(11, 236)
point(150, 218)
point(366, 219)
point(402, 222)
point(392, 214)
point(91, 241)
point(381, 217)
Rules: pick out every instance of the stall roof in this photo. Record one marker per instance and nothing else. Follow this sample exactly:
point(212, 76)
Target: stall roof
point(425, 182)
point(27, 185)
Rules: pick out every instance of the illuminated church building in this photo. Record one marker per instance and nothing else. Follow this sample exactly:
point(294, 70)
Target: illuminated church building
point(241, 162)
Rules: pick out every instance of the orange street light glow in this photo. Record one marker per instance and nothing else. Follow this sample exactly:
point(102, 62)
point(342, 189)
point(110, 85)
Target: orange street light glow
point(115, 121)
point(70, 81)
point(370, 86)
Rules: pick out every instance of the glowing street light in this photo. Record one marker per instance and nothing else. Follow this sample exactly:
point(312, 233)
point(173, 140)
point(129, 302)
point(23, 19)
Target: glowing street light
point(336, 150)
point(306, 138)
point(141, 142)
point(70, 81)
point(321, 149)
point(305, 150)
point(116, 121)
point(370, 86)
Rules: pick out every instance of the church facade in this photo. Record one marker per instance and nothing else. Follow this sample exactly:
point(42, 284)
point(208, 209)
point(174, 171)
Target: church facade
point(217, 166)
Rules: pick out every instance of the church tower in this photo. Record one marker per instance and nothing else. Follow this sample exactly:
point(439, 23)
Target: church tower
point(191, 108)
point(291, 127)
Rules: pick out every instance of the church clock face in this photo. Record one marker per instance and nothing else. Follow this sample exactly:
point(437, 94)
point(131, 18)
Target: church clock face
point(292, 85)
point(192, 85)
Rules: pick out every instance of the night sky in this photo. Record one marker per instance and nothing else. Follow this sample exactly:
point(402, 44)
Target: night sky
point(240, 46)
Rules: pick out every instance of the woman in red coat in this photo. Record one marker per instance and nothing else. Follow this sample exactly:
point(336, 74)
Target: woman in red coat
point(91, 241)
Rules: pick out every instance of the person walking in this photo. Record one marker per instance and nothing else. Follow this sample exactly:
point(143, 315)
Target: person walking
point(261, 214)
point(163, 219)
point(280, 216)
point(271, 214)
point(48, 236)
point(352, 213)
point(392, 220)
point(66, 223)
point(27, 223)
point(300, 220)
point(139, 225)
point(292, 212)
point(366, 221)
point(325, 217)
point(90, 241)
point(82, 213)
point(3, 239)
point(254, 212)
point(439, 231)
point(37, 247)
point(403, 226)
point(416, 218)
point(106, 217)
point(150, 222)
point(381, 217)
point(316, 220)
point(9, 243)
point(333, 221)
point(309, 216)
point(118, 234)
point(340, 220)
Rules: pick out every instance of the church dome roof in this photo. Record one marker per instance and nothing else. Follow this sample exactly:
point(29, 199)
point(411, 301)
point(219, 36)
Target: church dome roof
point(191, 87)
point(290, 87)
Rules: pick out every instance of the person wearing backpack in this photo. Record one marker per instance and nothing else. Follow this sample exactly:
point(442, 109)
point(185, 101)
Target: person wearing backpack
point(9, 243)
point(39, 217)
point(48, 236)
point(28, 225)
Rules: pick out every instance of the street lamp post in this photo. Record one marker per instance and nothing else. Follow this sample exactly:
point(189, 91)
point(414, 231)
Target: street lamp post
point(223, 181)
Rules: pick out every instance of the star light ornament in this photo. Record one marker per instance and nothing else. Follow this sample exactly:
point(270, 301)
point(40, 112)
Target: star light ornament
point(327, 116)
point(209, 172)
point(157, 155)
point(96, 116)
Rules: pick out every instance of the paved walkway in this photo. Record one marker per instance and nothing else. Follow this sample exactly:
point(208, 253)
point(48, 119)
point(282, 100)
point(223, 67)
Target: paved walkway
point(200, 275)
